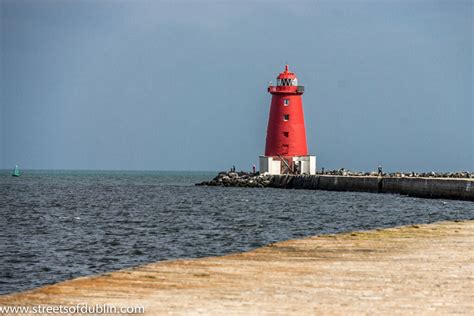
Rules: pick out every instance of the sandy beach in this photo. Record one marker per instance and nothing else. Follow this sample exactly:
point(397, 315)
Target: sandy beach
point(418, 269)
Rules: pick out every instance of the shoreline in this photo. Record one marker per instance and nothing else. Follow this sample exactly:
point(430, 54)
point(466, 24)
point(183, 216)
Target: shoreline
point(418, 268)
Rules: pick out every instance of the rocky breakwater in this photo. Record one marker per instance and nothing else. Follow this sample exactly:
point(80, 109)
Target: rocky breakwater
point(443, 186)
point(238, 179)
point(399, 174)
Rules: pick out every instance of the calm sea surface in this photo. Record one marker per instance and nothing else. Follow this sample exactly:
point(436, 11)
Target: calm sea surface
point(64, 224)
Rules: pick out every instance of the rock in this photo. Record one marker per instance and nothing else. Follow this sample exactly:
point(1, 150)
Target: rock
point(238, 179)
point(247, 179)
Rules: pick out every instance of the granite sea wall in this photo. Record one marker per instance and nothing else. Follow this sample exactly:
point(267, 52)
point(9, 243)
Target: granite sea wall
point(419, 186)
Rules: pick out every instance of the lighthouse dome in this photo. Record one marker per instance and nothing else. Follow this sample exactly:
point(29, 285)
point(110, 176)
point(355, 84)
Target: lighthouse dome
point(287, 78)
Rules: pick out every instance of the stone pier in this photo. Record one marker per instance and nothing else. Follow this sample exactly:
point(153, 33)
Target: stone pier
point(425, 187)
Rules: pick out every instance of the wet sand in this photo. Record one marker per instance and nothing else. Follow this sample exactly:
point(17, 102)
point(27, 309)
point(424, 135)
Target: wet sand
point(418, 269)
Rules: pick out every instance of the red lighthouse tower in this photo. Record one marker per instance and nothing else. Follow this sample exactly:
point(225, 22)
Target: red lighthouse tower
point(286, 150)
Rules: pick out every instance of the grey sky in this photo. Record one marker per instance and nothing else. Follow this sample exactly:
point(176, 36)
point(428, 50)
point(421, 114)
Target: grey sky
point(182, 85)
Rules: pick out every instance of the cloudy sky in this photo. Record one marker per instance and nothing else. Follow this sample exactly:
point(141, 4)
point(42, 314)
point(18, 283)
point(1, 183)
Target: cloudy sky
point(181, 85)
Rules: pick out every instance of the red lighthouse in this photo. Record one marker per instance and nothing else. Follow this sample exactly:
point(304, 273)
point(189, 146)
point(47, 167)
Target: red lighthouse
point(286, 150)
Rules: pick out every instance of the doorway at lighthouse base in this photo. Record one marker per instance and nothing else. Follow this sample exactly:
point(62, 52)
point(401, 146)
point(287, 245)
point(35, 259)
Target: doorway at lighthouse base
point(275, 165)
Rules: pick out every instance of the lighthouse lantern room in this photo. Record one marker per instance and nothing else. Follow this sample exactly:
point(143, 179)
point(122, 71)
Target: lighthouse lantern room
point(286, 151)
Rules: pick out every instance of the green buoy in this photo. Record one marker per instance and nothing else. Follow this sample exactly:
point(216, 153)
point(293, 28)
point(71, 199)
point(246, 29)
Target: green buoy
point(16, 171)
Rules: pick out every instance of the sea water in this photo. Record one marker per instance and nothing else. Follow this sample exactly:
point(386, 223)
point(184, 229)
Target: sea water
point(57, 225)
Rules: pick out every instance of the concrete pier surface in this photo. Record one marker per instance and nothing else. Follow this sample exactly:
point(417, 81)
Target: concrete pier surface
point(418, 269)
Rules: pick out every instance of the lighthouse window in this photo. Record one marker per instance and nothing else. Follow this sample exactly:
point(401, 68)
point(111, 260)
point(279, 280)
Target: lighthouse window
point(286, 134)
point(285, 149)
point(286, 102)
point(287, 82)
point(286, 117)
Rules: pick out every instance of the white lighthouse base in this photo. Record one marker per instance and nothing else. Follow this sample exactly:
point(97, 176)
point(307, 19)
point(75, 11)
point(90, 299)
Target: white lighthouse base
point(275, 165)
point(269, 166)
